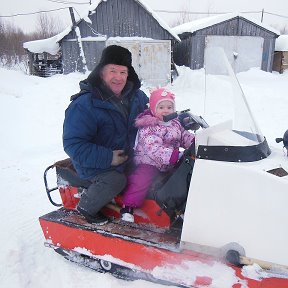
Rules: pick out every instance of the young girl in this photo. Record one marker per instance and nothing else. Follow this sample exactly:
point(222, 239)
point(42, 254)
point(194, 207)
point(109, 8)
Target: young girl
point(156, 148)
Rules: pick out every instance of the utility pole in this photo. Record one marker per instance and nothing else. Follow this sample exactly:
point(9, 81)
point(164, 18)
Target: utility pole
point(79, 41)
point(72, 16)
point(262, 15)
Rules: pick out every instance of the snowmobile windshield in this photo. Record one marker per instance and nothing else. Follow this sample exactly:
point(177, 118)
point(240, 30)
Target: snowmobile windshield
point(233, 134)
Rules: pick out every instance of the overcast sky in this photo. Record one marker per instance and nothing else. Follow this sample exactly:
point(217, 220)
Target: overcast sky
point(28, 22)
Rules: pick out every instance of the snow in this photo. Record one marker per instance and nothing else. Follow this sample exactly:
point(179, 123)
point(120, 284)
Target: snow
point(31, 117)
point(210, 21)
point(81, 50)
point(49, 45)
point(281, 43)
point(221, 275)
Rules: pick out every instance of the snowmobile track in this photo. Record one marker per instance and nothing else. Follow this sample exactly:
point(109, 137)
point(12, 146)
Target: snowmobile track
point(104, 266)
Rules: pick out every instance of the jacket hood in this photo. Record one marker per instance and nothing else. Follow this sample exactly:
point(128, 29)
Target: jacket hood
point(84, 88)
point(146, 119)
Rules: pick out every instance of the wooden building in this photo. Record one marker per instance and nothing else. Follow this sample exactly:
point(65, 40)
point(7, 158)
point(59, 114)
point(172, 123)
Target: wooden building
point(280, 63)
point(44, 55)
point(127, 23)
point(247, 43)
point(44, 64)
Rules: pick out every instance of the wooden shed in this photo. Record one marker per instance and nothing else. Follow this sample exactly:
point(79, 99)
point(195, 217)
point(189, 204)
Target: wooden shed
point(44, 57)
point(247, 43)
point(127, 23)
point(280, 63)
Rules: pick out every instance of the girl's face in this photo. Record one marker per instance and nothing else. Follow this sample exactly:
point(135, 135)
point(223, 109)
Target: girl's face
point(164, 108)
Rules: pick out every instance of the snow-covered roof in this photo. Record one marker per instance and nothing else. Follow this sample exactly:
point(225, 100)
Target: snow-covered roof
point(210, 21)
point(281, 43)
point(161, 22)
point(49, 45)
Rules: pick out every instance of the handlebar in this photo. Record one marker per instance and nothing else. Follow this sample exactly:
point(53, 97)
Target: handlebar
point(188, 120)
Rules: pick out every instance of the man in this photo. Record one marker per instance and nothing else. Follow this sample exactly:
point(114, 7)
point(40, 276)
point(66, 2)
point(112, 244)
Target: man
point(99, 132)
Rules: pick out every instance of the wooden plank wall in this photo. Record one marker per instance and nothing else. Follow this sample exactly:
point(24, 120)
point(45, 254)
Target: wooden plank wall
point(124, 18)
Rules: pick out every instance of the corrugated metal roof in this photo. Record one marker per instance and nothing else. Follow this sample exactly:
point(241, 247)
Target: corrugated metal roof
point(155, 15)
point(202, 23)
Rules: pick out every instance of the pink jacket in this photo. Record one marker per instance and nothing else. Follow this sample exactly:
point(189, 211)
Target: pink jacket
point(156, 140)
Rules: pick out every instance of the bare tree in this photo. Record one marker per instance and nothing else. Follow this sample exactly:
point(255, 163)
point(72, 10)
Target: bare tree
point(2, 38)
point(12, 53)
point(184, 16)
point(48, 26)
point(187, 16)
point(284, 30)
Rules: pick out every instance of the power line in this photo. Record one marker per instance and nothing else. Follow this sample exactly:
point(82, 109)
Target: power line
point(161, 11)
point(91, 28)
point(207, 12)
point(276, 14)
point(68, 2)
point(44, 11)
point(214, 13)
point(32, 13)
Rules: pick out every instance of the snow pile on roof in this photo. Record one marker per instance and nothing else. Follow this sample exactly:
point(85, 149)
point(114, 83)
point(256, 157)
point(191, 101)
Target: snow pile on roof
point(134, 38)
point(210, 21)
point(94, 5)
point(281, 43)
point(161, 22)
point(49, 45)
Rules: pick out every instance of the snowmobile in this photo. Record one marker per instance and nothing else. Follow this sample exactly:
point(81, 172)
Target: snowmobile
point(217, 220)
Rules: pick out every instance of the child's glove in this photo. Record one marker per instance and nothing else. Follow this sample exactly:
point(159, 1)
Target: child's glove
point(174, 157)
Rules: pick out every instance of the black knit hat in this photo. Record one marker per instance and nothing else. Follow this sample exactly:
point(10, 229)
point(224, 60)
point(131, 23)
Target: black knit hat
point(114, 55)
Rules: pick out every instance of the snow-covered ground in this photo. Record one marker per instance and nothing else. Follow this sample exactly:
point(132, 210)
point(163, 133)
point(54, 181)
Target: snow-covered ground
point(31, 117)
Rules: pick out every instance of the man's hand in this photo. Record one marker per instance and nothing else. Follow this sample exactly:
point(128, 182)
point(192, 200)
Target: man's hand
point(118, 157)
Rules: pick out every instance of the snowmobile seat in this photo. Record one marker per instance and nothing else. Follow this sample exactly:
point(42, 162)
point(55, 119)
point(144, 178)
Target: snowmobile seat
point(69, 184)
point(66, 171)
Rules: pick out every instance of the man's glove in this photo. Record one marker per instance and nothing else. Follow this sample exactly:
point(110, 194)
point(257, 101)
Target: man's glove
point(118, 157)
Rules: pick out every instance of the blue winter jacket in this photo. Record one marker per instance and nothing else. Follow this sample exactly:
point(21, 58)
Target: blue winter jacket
point(94, 127)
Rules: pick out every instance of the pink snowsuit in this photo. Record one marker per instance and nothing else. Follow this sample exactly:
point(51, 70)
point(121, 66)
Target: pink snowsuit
point(156, 149)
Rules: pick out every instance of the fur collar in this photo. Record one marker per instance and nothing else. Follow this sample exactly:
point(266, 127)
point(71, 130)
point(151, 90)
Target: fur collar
point(147, 119)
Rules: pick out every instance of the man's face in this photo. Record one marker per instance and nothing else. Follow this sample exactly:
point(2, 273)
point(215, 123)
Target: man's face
point(115, 77)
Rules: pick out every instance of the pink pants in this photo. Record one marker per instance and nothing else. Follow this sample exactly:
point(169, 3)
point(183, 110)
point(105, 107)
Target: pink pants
point(138, 184)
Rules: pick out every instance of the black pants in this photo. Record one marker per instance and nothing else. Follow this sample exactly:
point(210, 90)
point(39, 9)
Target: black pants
point(103, 189)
